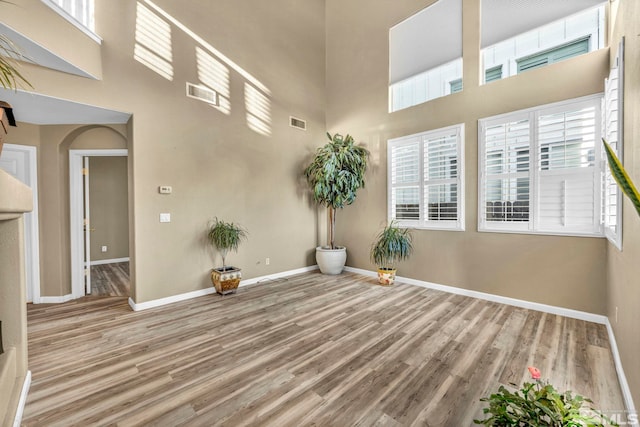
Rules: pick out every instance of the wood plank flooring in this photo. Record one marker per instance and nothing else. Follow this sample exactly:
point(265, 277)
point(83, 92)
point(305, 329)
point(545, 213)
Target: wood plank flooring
point(313, 350)
point(110, 280)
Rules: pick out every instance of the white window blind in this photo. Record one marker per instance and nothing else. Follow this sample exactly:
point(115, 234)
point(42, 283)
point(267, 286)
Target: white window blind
point(507, 172)
point(426, 179)
point(540, 170)
point(405, 180)
point(568, 191)
point(612, 133)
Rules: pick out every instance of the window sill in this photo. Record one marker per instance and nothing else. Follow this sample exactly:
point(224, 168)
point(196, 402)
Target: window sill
point(434, 227)
point(541, 233)
point(64, 14)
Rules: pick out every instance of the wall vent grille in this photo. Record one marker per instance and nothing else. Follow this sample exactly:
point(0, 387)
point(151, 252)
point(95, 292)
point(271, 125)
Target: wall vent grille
point(297, 123)
point(202, 93)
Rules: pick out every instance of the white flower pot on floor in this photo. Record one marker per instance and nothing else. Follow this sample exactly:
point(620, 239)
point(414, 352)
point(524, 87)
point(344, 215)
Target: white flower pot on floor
point(331, 261)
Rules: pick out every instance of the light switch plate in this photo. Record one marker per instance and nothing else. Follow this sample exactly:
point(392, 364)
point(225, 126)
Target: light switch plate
point(165, 217)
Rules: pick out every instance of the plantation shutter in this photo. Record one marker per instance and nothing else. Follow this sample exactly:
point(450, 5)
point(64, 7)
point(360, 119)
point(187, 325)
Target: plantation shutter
point(441, 154)
point(568, 177)
point(505, 173)
point(426, 179)
point(611, 132)
point(404, 173)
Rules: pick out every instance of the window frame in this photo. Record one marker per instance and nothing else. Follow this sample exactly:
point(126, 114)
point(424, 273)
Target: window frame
point(421, 138)
point(614, 236)
point(86, 29)
point(532, 225)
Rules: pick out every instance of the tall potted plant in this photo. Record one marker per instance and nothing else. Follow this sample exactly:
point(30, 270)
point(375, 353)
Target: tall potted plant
point(335, 174)
point(225, 236)
point(393, 244)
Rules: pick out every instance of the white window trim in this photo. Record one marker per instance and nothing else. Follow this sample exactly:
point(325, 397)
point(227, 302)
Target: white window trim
point(531, 226)
point(615, 238)
point(79, 25)
point(457, 225)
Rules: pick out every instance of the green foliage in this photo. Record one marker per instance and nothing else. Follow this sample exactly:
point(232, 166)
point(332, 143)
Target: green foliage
point(336, 173)
point(539, 404)
point(392, 244)
point(621, 177)
point(225, 236)
point(9, 74)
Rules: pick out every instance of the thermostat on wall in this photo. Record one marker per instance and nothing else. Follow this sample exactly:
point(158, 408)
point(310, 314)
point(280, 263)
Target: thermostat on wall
point(165, 189)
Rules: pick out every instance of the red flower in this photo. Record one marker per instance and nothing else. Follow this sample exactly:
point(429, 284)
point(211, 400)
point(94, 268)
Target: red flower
point(535, 372)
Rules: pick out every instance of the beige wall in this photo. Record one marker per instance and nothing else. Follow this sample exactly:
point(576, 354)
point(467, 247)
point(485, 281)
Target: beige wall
point(623, 270)
point(15, 199)
point(562, 271)
point(84, 52)
point(108, 207)
point(215, 163)
point(313, 58)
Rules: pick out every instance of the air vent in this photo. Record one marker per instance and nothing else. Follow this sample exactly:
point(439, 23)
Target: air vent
point(202, 93)
point(297, 123)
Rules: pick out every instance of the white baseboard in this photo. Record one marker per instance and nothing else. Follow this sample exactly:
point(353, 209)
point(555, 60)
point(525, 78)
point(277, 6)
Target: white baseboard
point(622, 378)
point(561, 311)
point(194, 294)
point(275, 276)
point(23, 400)
point(54, 300)
point(109, 261)
point(169, 300)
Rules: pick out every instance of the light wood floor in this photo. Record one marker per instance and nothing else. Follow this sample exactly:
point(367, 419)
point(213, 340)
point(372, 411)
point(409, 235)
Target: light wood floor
point(312, 350)
point(110, 280)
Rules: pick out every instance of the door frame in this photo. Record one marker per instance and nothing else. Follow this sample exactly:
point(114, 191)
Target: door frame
point(76, 213)
point(32, 244)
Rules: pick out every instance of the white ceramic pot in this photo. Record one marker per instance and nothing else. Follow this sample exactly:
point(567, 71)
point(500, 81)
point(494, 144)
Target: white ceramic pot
point(331, 261)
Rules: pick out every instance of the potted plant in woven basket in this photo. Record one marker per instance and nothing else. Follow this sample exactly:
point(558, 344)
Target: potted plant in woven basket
point(225, 236)
point(393, 244)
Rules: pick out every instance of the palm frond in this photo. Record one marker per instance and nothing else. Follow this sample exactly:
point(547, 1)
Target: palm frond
point(10, 76)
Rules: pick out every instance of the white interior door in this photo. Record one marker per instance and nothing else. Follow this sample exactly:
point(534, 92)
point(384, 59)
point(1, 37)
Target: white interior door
point(20, 162)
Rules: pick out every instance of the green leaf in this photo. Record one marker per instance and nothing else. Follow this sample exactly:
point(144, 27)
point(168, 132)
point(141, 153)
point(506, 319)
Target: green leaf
point(337, 171)
point(622, 178)
point(10, 76)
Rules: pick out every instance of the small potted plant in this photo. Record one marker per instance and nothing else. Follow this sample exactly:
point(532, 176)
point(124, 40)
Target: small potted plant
point(393, 244)
point(540, 404)
point(225, 236)
point(334, 176)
